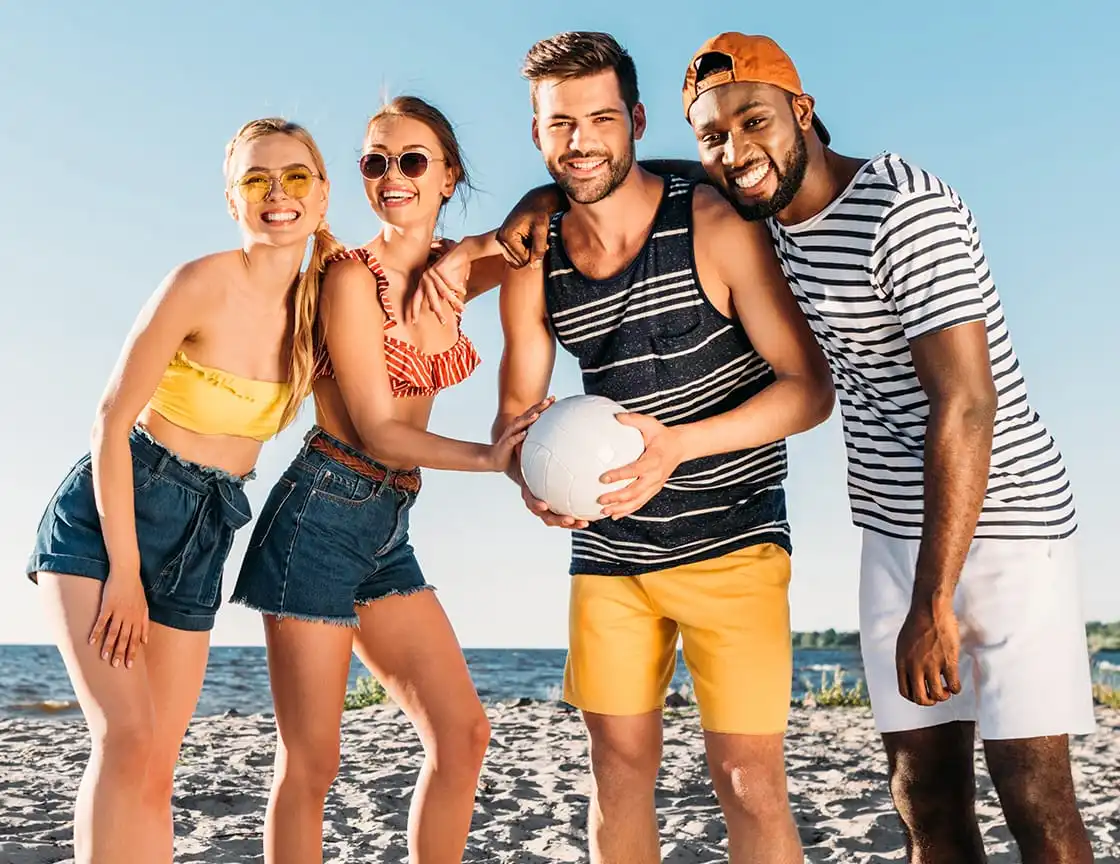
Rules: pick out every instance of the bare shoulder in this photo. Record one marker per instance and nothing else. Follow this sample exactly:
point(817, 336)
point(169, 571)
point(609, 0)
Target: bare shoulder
point(194, 287)
point(347, 273)
point(711, 212)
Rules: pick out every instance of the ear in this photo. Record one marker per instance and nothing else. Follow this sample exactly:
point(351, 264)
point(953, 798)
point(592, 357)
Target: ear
point(326, 184)
point(638, 119)
point(451, 177)
point(803, 106)
point(536, 133)
point(232, 206)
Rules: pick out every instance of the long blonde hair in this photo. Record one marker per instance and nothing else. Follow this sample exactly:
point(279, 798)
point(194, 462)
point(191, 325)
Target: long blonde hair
point(301, 367)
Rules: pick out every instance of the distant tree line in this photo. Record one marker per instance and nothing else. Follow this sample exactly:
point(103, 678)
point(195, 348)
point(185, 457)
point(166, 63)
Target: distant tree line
point(1102, 636)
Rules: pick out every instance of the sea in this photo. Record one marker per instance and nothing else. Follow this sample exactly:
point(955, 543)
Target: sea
point(33, 680)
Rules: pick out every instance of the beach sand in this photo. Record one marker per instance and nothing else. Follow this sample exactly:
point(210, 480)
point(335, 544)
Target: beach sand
point(532, 798)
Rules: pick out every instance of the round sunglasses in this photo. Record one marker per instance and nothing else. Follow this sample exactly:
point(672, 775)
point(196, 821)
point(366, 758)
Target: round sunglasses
point(296, 182)
point(412, 164)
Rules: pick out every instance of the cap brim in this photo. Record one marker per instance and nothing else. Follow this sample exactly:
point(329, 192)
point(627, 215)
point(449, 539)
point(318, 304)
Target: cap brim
point(822, 132)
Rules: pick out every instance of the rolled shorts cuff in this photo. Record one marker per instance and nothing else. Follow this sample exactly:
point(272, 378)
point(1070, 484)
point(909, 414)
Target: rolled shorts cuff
point(67, 565)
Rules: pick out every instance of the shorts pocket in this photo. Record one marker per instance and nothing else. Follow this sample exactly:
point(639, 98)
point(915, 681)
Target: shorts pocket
point(277, 498)
point(342, 486)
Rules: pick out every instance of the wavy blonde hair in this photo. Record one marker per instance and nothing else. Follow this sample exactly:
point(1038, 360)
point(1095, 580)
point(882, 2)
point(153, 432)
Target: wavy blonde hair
point(301, 367)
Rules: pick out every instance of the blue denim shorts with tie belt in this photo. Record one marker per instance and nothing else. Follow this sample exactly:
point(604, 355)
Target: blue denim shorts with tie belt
point(186, 518)
point(333, 535)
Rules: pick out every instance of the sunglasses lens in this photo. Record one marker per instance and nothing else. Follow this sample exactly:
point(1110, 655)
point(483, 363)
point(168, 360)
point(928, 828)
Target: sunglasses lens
point(254, 188)
point(413, 164)
point(373, 166)
point(296, 182)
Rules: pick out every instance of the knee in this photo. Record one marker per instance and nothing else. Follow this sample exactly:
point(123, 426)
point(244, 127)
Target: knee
point(753, 789)
point(933, 798)
point(125, 745)
point(620, 760)
point(460, 746)
point(308, 767)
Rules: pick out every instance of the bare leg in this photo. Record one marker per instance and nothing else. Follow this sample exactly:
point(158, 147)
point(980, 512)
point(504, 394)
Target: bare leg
point(625, 757)
point(934, 789)
point(409, 645)
point(136, 719)
point(748, 772)
point(1035, 786)
point(308, 664)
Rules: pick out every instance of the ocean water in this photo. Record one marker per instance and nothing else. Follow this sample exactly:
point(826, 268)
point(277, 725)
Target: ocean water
point(33, 680)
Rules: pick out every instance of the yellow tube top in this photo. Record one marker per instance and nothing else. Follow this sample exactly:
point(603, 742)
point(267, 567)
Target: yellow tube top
point(214, 402)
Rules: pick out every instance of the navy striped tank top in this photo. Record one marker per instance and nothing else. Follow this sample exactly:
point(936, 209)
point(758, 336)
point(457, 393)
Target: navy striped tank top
point(650, 339)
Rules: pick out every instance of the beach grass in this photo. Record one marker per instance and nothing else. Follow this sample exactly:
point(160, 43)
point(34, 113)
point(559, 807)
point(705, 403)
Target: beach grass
point(367, 691)
point(833, 694)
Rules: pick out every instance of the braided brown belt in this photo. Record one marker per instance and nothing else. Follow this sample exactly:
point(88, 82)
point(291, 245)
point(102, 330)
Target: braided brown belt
point(402, 481)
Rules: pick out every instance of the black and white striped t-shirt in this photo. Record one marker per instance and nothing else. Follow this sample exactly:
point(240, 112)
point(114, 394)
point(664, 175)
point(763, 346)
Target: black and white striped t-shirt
point(898, 255)
point(651, 340)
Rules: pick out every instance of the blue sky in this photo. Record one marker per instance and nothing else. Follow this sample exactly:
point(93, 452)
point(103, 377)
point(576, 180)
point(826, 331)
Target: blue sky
point(112, 122)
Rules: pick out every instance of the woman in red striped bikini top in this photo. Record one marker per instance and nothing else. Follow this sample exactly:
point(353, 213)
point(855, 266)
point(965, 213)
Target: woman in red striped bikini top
point(378, 372)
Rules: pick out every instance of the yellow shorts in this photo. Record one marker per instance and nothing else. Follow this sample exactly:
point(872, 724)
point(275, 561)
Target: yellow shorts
point(732, 614)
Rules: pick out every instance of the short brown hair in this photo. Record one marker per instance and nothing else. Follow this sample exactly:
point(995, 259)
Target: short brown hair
point(578, 54)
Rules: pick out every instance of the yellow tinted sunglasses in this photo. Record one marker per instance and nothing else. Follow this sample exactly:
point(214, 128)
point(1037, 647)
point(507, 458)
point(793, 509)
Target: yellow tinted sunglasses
point(296, 182)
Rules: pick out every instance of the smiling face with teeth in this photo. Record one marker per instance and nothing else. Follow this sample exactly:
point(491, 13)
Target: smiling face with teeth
point(586, 133)
point(752, 144)
point(398, 200)
point(278, 219)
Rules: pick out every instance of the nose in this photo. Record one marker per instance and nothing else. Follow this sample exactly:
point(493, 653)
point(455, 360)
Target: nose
point(275, 190)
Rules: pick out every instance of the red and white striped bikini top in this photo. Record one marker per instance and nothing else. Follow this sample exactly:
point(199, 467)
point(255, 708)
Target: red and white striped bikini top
point(411, 371)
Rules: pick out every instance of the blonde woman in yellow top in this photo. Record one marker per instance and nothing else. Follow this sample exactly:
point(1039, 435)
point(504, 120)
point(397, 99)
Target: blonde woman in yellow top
point(130, 550)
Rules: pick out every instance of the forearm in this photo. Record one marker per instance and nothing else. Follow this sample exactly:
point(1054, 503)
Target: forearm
point(397, 443)
point(113, 493)
point(501, 422)
point(957, 461)
point(792, 404)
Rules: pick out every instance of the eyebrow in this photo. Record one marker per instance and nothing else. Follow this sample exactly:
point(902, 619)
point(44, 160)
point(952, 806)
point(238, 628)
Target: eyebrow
point(602, 112)
point(404, 149)
point(739, 112)
point(284, 168)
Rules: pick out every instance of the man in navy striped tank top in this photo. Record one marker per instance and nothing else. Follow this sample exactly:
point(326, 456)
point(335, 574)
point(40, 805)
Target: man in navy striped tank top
point(677, 309)
point(969, 599)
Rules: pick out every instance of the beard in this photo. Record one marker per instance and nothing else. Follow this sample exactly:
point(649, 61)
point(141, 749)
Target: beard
point(592, 189)
point(790, 176)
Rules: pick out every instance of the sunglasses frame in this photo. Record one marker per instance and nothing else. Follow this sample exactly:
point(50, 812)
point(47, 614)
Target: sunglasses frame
point(390, 159)
point(241, 186)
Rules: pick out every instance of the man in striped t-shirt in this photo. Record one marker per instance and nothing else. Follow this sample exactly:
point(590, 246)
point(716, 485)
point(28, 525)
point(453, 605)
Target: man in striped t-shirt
point(676, 309)
point(969, 599)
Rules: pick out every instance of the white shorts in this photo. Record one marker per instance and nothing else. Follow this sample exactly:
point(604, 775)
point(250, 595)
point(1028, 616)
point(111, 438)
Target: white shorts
point(1024, 661)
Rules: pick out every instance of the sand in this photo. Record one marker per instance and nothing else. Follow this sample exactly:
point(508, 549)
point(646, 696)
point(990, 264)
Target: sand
point(532, 800)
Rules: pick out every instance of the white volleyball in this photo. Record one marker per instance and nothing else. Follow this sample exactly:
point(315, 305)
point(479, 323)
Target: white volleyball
point(570, 446)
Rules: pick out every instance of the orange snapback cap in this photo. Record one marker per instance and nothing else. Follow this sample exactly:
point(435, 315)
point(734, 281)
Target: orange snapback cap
point(753, 59)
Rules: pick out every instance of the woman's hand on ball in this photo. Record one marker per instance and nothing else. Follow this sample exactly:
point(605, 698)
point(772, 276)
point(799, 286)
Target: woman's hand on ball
point(664, 452)
point(540, 508)
point(501, 451)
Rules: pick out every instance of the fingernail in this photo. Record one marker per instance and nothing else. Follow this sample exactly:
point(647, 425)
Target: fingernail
point(116, 661)
point(128, 664)
point(104, 655)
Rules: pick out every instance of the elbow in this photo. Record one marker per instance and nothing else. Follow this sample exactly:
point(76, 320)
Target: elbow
point(822, 393)
point(969, 412)
point(107, 424)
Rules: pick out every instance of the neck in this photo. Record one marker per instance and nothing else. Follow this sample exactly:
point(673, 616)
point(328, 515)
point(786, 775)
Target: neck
point(611, 221)
point(273, 268)
point(406, 249)
point(826, 176)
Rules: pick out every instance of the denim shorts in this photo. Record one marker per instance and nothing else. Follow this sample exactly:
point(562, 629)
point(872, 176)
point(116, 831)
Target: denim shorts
point(186, 516)
point(331, 537)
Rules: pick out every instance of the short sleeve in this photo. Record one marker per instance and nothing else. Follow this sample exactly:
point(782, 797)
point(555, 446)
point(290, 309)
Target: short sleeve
point(927, 260)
